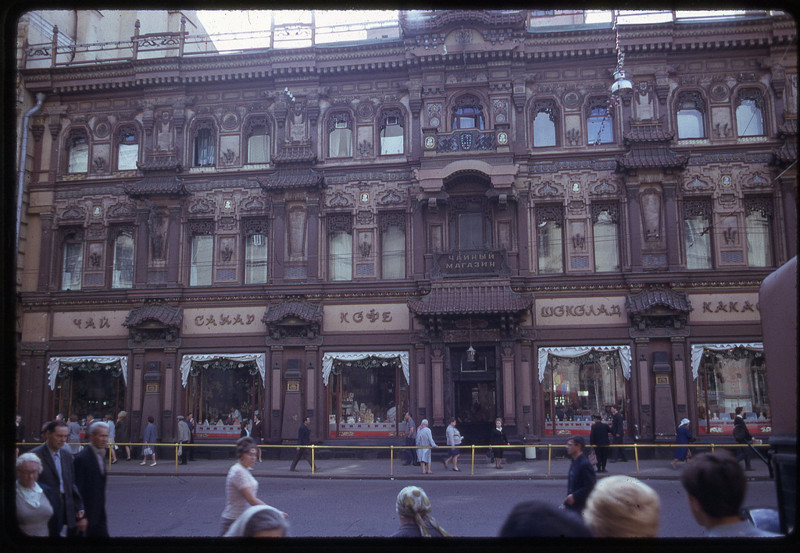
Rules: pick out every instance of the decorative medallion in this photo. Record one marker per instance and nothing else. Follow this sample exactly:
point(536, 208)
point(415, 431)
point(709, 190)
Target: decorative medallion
point(572, 99)
point(230, 121)
point(502, 138)
point(719, 92)
point(364, 197)
point(365, 110)
point(430, 142)
point(726, 181)
point(102, 129)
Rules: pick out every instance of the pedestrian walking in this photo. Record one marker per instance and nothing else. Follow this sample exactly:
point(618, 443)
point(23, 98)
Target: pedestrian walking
point(581, 478)
point(683, 436)
point(122, 433)
point(618, 434)
point(424, 443)
point(90, 478)
point(414, 512)
point(622, 507)
point(183, 438)
point(453, 440)
point(34, 501)
point(742, 436)
point(112, 435)
point(240, 486)
point(149, 439)
point(74, 436)
point(191, 423)
point(19, 433)
point(498, 437)
point(257, 433)
point(303, 440)
point(410, 440)
point(259, 521)
point(58, 474)
point(598, 438)
point(537, 519)
point(715, 485)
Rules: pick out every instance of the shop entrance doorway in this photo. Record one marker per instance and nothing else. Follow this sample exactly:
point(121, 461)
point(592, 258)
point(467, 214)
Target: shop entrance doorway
point(474, 393)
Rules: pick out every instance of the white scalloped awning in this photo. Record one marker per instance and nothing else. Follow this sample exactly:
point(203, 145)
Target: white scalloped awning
point(624, 356)
point(698, 349)
point(54, 363)
point(329, 358)
point(186, 362)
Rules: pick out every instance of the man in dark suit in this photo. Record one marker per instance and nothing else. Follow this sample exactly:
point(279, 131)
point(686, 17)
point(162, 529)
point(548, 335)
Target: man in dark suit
point(190, 422)
point(303, 438)
point(618, 434)
point(582, 478)
point(90, 477)
point(742, 436)
point(58, 473)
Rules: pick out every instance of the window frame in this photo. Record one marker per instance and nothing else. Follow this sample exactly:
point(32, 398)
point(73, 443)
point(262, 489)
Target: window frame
point(612, 208)
point(71, 141)
point(600, 103)
point(338, 224)
point(386, 115)
point(764, 205)
point(695, 97)
point(71, 237)
point(756, 96)
point(389, 220)
point(122, 132)
point(339, 120)
point(471, 102)
point(473, 205)
point(197, 229)
point(254, 228)
point(203, 126)
point(115, 235)
point(251, 126)
point(549, 107)
point(549, 213)
point(698, 207)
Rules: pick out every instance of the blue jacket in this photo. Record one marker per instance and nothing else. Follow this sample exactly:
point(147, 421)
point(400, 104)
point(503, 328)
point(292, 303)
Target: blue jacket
point(580, 482)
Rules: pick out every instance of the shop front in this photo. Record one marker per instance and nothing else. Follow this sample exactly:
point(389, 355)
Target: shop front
point(84, 385)
point(367, 393)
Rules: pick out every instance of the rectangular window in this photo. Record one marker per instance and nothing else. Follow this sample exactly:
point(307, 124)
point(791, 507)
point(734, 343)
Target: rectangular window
point(340, 255)
point(202, 260)
point(341, 142)
point(392, 137)
point(128, 155)
point(72, 267)
point(255, 256)
point(393, 252)
point(123, 262)
point(204, 148)
point(606, 237)
point(78, 155)
point(697, 238)
point(758, 225)
point(258, 148)
point(550, 242)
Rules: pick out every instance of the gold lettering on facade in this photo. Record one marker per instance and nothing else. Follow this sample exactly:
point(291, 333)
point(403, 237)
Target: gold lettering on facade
point(729, 307)
point(372, 316)
point(585, 310)
point(225, 319)
point(89, 322)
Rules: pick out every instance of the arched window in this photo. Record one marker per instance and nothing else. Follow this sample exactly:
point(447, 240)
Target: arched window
point(599, 124)
point(697, 233)
point(205, 144)
point(77, 152)
point(544, 124)
point(127, 148)
point(468, 113)
point(470, 223)
point(758, 225)
point(340, 246)
point(691, 117)
point(605, 231)
point(550, 238)
point(340, 135)
point(201, 262)
point(255, 253)
point(393, 246)
point(391, 132)
point(750, 112)
point(72, 261)
point(258, 140)
point(122, 276)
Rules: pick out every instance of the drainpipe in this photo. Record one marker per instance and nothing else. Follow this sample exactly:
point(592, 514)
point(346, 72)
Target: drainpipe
point(22, 156)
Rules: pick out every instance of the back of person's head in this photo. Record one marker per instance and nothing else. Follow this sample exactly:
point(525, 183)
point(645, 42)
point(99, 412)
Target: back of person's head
point(259, 521)
point(413, 503)
point(622, 507)
point(536, 519)
point(738, 410)
point(717, 482)
point(151, 419)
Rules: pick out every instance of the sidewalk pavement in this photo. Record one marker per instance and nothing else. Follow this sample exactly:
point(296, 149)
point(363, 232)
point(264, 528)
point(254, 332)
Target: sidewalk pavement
point(366, 469)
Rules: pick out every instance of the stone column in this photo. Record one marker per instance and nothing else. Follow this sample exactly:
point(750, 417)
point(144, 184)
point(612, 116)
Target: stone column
point(420, 383)
point(47, 254)
point(278, 241)
point(640, 390)
point(437, 386)
point(671, 228)
point(509, 403)
point(635, 228)
point(273, 422)
point(173, 246)
point(312, 239)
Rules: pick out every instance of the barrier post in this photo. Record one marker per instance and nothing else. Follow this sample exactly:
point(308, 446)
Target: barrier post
point(313, 462)
point(549, 457)
point(472, 468)
point(391, 460)
point(636, 456)
point(176, 457)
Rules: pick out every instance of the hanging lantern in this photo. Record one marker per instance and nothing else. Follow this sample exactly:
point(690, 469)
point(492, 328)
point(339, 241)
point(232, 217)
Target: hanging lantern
point(471, 354)
point(621, 86)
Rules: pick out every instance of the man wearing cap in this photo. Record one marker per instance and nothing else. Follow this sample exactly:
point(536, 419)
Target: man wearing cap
point(684, 437)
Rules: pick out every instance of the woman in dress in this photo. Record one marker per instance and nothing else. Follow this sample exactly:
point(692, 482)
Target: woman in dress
point(424, 443)
point(240, 486)
point(259, 521)
point(33, 506)
point(684, 437)
point(74, 436)
point(498, 437)
point(453, 440)
point(122, 433)
point(149, 438)
point(414, 510)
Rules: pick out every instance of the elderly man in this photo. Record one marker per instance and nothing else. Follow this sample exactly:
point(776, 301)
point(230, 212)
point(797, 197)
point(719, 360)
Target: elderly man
point(90, 477)
point(184, 437)
point(58, 473)
point(582, 478)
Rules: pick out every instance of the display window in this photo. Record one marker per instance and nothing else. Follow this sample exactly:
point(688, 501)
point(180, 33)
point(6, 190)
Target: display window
point(580, 382)
point(728, 376)
point(222, 391)
point(88, 385)
point(367, 393)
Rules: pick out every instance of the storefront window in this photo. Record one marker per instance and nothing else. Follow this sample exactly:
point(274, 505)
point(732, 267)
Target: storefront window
point(367, 396)
point(223, 392)
point(579, 383)
point(88, 387)
point(728, 376)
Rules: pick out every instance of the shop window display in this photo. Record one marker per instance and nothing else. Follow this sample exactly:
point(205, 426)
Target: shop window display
point(87, 386)
point(577, 387)
point(728, 376)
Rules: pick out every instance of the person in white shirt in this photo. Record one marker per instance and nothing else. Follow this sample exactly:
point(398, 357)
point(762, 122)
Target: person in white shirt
point(453, 440)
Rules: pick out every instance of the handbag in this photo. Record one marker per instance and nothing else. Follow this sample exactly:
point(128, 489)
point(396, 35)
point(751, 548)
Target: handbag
point(592, 457)
point(147, 451)
point(180, 450)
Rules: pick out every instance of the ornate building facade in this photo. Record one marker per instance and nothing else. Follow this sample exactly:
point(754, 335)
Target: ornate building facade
point(458, 220)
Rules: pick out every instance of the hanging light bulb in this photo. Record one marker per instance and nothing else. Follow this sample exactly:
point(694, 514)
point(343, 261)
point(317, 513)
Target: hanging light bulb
point(470, 349)
point(621, 86)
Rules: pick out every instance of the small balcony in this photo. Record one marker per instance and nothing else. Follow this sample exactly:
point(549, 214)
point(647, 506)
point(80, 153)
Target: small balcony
point(469, 140)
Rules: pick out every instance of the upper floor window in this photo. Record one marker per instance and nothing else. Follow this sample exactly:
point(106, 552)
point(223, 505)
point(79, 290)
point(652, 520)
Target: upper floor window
point(340, 135)
point(544, 124)
point(550, 238)
point(599, 122)
point(340, 246)
point(77, 152)
point(605, 231)
point(468, 113)
point(122, 275)
point(697, 233)
point(201, 262)
point(690, 113)
point(258, 142)
point(391, 132)
point(393, 245)
point(127, 149)
point(72, 262)
point(470, 224)
point(205, 144)
point(758, 225)
point(255, 253)
point(750, 111)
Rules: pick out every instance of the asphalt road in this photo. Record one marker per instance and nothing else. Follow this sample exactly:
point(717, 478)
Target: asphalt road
point(179, 506)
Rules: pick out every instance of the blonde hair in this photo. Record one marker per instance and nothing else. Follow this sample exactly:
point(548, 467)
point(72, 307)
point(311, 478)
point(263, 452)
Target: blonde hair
point(622, 507)
point(413, 503)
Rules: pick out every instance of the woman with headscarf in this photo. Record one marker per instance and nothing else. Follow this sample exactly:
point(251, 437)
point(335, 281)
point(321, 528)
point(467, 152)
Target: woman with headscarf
point(413, 510)
point(424, 443)
point(34, 508)
point(259, 521)
point(684, 437)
